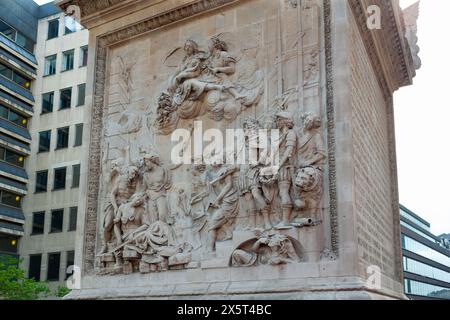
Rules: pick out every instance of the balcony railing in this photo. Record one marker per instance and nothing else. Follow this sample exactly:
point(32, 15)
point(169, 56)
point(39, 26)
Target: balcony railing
point(23, 132)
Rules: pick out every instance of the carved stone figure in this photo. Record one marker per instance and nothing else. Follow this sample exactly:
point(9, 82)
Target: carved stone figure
point(156, 181)
point(310, 145)
point(309, 180)
point(122, 190)
point(287, 151)
point(225, 205)
point(250, 185)
point(270, 247)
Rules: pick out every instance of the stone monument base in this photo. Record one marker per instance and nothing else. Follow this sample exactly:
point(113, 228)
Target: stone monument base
point(237, 283)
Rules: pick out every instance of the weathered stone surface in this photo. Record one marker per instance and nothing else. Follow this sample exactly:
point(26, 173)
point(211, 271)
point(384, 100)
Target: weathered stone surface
point(310, 228)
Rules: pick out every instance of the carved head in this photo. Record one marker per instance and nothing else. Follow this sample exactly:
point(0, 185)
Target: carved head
point(217, 44)
point(311, 121)
point(191, 47)
point(306, 178)
point(152, 159)
point(284, 119)
point(132, 173)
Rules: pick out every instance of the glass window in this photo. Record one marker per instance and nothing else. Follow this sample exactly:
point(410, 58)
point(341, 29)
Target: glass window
point(75, 176)
point(70, 262)
point(424, 251)
point(62, 139)
point(11, 157)
point(13, 116)
point(34, 268)
point(84, 56)
point(70, 25)
point(8, 244)
point(47, 102)
point(10, 199)
point(7, 30)
point(41, 181)
point(57, 221)
point(426, 290)
point(50, 65)
point(44, 140)
point(14, 76)
point(53, 27)
point(22, 81)
point(17, 119)
point(78, 135)
point(6, 71)
point(59, 179)
point(417, 267)
point(65, 98)
point(67, 60)
point(38, 223)
point(81, 94)
point(53, 266)
point(73, 219)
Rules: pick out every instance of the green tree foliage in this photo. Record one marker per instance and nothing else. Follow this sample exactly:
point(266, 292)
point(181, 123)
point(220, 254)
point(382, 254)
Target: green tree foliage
point(62, 291)
point(14, 285)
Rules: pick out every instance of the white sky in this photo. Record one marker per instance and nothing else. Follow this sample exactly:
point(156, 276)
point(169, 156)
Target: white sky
point(422, 117)
point(423, 121)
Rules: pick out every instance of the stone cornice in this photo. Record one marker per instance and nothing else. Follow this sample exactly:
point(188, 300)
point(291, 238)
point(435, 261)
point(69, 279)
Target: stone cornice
point(387, 47)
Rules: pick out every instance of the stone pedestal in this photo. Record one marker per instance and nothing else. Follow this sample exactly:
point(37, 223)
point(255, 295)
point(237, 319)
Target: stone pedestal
point(310, 68)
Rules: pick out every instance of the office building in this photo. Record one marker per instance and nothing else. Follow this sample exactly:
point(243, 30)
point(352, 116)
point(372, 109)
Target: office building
point(426, 260)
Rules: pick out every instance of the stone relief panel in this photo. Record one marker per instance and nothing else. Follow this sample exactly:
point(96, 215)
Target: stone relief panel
point(253, 69)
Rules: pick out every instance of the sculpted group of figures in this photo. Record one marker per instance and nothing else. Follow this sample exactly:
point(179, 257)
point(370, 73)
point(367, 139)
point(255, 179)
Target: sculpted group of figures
point(209, 82)
point(152, 224)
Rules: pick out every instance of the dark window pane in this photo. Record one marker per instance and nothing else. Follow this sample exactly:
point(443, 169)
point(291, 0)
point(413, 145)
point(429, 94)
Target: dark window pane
point(78, 135)
point(10, 199)
point(21, 80)
point(53, 27)
point(57, 221)
point(47, 102)
point(12, 157)
point(81, 94)
point(53, 266)
point(66, 98)
point(50, 65)
point(60, 179)
point(8, 244)
point(41, 181)
point(73, 219)
point(17, 119)
point(84, 56)
point(38, 223)
point(62, 138)
point(67, 61)
point(4, 112)
point(5, 71)
point(7, 30)
point(44, 140)
point(75, 176)
point(70, 262)
point(34, 269)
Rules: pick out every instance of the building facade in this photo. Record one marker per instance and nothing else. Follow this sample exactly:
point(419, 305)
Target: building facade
point(18, 72)
point(426, 260)
point(50, 208)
